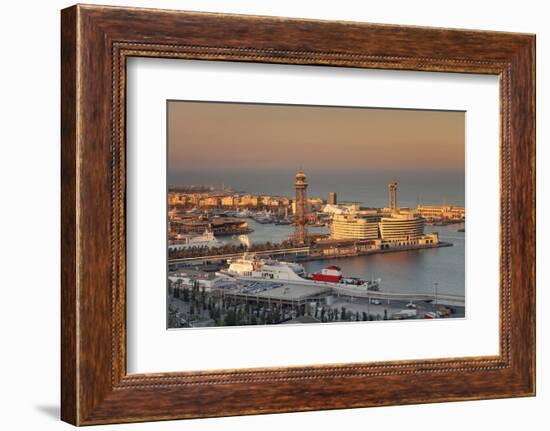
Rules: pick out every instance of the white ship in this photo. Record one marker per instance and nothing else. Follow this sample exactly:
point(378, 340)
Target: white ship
point(243, 214)
point(249, 267)
point(186, 241)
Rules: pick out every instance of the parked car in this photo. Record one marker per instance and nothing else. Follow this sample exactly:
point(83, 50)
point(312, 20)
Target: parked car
point(451, 309)
point(444, 311)
point(404, 314)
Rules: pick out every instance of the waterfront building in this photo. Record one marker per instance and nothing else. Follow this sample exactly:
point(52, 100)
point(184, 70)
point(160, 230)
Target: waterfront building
point(332, 200)
point(426, 240)
point(210, 201)
point(401, 226)
point(334, 209)
point(315, 204)
point(300, 184)
point(173, 199)
point(194, 199)
point(350, 226)
point(275, 201)
point(285, 201)
point(342, 209)
point(368, 212)
point(229, 201)
point(249, 201)
point(443, 212)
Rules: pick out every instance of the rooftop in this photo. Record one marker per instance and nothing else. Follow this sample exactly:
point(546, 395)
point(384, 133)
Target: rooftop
point(288, 291)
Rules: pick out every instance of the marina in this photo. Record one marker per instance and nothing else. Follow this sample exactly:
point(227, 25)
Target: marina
point(408, 270)
point(280, 260)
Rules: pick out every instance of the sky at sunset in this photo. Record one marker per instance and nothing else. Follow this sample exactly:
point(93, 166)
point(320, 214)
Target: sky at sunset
point(209, 136)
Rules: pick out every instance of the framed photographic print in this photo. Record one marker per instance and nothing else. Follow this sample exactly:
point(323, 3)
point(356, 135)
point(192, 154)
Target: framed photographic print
point(268, 215)
point(252, 241)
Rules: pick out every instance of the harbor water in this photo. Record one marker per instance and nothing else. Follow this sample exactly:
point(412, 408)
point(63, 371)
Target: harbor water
point(404, 271)
point(262, 233)
point(366, 187)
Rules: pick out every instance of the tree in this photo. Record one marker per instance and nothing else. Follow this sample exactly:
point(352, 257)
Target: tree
point(172, 317)
point(365, 317)
point(230, 318)
point(216, 314)
point(203, 297)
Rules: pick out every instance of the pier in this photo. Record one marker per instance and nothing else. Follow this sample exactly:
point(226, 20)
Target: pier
point(296, 295)
point(298, 251)
point(310, 253)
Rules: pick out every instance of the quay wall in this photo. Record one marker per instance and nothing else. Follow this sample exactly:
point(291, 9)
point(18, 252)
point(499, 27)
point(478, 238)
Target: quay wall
point(314, 256)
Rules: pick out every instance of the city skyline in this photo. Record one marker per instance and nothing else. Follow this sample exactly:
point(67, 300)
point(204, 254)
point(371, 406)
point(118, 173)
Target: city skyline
point(206, 136)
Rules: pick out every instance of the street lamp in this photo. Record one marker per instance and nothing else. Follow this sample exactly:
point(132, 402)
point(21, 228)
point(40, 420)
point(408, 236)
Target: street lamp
point(435, 288)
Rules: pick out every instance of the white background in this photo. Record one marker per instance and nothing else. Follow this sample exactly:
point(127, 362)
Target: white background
point(153, 349)
point(29, 220)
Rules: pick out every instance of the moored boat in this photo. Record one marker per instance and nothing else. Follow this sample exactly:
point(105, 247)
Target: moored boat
point(250, 267)
point(332, 274)
point(187, 241)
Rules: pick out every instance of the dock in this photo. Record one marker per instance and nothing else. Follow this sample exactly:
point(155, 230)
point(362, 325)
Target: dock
point(308, 253)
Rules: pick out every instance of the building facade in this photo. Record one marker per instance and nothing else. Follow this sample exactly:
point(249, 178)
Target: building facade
point(347, 226)
point(401, 226)
point(443, 212)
